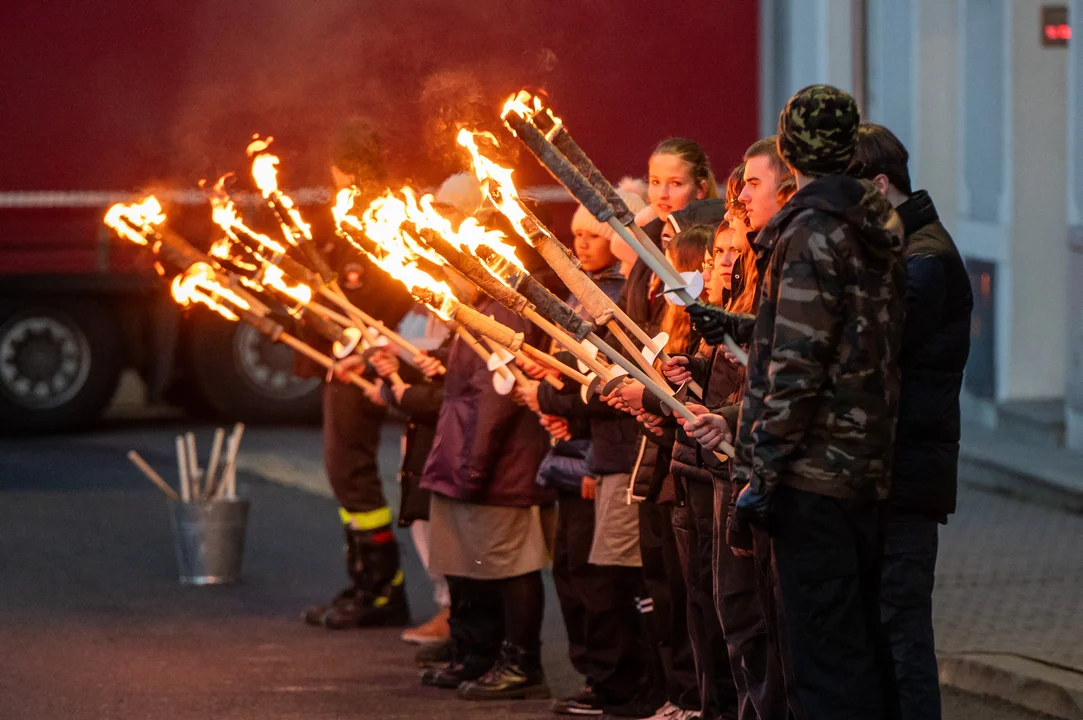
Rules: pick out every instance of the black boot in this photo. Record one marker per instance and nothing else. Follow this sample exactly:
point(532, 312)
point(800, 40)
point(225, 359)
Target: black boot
point(379, 597)
point(517, 675)
point(458, 671)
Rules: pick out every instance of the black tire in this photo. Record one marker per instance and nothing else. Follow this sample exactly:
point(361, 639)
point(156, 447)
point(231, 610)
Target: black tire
point(60, 362)
point(244, 376)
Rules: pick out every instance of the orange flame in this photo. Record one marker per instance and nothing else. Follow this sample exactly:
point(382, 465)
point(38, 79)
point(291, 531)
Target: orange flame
point(527, 105)
point(265, 173)
point(125, 218)
point(199, 283)
point(224, 214)
point(273, 277)
point(382, 223)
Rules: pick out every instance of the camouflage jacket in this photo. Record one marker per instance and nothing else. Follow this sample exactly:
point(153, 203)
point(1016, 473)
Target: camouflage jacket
point(822, 391)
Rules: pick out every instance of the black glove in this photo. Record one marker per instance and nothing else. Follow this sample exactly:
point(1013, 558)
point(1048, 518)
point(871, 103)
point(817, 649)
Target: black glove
point(754, 507)
point(714, 323)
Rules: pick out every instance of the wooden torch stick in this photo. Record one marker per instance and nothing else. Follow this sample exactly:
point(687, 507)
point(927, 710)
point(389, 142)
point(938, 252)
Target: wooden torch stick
point(212, 464)
point(154, 477)
point(193, 462)
point(182, 470)
point(372, 322)
point(546, 359)
point(555, 382)
point(321, 359)
point(657, 390)
point(473, 344)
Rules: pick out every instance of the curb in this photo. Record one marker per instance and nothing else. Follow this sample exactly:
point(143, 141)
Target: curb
point(995, 461)
point(1018, 680)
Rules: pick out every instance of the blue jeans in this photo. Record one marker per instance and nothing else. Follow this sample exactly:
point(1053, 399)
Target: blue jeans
point(906, 610)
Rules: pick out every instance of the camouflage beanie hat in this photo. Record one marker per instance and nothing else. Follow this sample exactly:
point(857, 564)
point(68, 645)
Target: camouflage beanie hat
point(817, 130)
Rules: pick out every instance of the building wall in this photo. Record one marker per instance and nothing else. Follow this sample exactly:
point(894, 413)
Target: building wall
point(981, 105)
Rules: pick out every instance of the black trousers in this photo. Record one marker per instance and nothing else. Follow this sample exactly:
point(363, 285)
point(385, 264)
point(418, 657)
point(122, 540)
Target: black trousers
point(669, 618)
point(826, 554)
point(744, 600)
point(693, 526)
point(476, 620)
point(351, 443)
point(906, 610)
point(599, 607)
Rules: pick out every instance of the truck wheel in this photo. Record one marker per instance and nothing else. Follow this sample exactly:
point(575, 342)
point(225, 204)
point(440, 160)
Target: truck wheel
point(244, 376)
point(60, 362)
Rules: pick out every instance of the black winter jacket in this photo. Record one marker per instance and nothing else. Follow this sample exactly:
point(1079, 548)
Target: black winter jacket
point(936, 343)
point(653, 453)
point(722, 382)
point(613, 433)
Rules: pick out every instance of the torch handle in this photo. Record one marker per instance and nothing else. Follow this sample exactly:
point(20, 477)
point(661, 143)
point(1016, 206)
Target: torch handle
point(553, 382)
point(634, 353)
point(556, 310)
point(546, 359)
point(321, 359)
point(473, 344)
point(559, 167)
point(571, 345)
point(594, 201)
point(472, 268)
point(351, 309)
point(657, 390)
point(487, 326)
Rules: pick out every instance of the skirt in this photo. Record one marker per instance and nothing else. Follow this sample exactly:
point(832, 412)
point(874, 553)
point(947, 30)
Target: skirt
point(616, 524)
point(484, 542)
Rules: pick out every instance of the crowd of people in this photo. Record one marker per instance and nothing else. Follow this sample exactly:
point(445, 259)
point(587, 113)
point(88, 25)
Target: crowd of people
point(792, 580)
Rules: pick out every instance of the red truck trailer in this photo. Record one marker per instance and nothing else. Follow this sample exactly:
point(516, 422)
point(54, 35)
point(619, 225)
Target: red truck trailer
point(102, 102)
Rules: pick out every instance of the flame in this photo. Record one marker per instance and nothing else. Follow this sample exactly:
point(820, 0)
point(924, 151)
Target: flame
point(497, 183)
point(382, 223)
point(275, 278)
point(527, 105)
point(224, 214)
point(199, 283)
point(265, 173)
point(133, 221)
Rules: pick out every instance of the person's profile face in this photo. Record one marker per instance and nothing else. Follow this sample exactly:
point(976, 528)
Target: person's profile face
point(760, 194)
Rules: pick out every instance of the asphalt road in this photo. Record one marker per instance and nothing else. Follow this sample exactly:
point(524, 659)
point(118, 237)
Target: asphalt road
point(93, 623)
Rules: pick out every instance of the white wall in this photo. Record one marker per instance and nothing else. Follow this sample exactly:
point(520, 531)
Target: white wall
point(1039, 255)
point(948, 75)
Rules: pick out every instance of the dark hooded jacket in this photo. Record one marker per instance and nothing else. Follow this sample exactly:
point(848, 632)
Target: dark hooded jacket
point(722, 382)
point(613, 433)
point(936, 343)
point(655, 459)
point(651, 454)
point(822, 395)
point(487, 449)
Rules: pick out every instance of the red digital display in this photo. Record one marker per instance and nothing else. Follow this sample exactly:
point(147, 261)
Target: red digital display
point(1058, 32)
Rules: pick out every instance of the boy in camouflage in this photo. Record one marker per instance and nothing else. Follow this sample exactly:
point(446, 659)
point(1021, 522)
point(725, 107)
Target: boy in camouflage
point(816, 428)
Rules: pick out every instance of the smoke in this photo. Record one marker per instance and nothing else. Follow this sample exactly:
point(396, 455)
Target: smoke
point(300, 71)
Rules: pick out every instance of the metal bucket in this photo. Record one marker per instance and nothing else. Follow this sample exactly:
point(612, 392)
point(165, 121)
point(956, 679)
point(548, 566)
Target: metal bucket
point(209, 540)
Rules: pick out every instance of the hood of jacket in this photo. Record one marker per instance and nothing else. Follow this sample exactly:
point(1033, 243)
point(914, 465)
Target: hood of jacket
point(857, 202)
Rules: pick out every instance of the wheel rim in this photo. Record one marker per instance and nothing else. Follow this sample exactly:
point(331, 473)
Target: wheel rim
point(44, 360)
point(268, 367)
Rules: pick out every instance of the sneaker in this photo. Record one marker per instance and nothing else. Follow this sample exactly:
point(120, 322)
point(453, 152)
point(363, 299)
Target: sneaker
point(435, 632)
point(585, 703)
